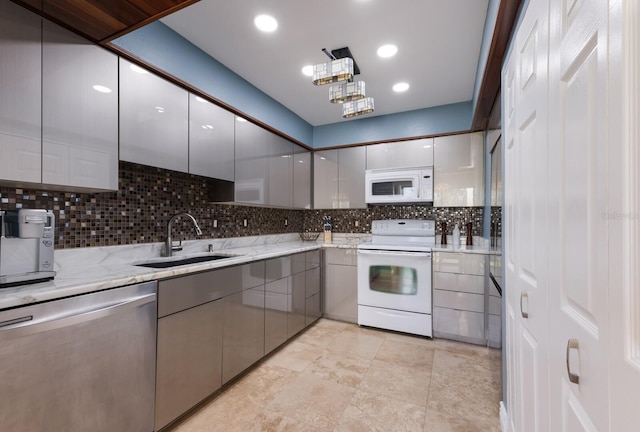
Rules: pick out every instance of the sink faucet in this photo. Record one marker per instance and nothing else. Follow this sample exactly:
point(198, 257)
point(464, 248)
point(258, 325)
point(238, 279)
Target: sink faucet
point(168, 245)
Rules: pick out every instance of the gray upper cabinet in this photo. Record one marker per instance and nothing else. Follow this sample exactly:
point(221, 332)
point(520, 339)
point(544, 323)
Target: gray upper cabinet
point(338, 178)
point(351, 167)
point(153, 120)
point(252, 167)
point(79, 111)
point(280, 172)
point(21, 94)
point(325, 179)
point(211, 140)
point(401, 154)
point(301, 177)
point(459, 171)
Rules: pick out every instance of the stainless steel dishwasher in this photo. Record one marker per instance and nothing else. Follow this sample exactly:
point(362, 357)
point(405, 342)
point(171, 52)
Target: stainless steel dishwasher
point(84, 363)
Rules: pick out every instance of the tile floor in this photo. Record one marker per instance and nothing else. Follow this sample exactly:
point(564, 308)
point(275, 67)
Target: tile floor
point(343, 378)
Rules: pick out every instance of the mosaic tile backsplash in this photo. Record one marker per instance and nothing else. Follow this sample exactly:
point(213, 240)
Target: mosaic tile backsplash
point(344, 221)
point(147, 197)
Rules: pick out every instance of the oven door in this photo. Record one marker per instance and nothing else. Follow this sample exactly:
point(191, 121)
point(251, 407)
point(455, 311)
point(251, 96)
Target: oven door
point(395, 280)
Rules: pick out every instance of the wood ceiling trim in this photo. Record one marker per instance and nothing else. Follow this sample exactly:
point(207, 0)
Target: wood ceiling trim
point(490, 86)
point(101, 21)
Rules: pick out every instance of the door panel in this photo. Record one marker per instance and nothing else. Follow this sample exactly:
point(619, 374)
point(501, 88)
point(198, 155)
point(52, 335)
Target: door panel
point(623, 219)
point(526, 126)
point(578, 194)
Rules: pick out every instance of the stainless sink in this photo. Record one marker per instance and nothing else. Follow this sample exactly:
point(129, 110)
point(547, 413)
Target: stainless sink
point(173, 262)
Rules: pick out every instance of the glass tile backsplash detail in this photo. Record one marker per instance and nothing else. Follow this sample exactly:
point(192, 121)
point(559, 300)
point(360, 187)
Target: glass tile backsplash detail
point(147, 197)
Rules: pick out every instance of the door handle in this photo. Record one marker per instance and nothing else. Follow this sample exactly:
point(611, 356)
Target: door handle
point(524, 295)
point(572, 344)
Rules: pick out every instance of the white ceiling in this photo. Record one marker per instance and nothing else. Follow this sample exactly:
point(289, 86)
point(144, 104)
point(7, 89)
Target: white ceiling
point(438, 47)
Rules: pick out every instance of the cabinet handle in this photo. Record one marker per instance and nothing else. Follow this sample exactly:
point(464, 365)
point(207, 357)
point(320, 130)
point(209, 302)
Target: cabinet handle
point(524, 295)
point(572, 344)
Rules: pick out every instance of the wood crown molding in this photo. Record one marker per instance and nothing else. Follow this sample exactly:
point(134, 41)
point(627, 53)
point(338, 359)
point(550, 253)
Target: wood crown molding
point(101, 21)
point(490, 85)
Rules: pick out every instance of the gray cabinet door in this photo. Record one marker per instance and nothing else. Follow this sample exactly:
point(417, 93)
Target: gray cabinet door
point(79, 111)
point(401, 154)
point(189, 360)
point(252, 168)
point(280, 172)
point(296, 317)
point(277, 304)
point(458, 171)
point(325, 179)
point(211, 139)
point(154, 113)
point(351, 167)
point(340, 294)
point(20, 94)
point(301, 177)
point(312, 292)
point(243, 340)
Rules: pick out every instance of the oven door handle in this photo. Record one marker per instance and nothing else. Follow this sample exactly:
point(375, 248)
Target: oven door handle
point(394, 253)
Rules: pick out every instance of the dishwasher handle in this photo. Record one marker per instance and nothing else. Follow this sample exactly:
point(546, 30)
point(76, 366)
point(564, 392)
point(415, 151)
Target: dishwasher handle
point(27, 325)
point(394, 253)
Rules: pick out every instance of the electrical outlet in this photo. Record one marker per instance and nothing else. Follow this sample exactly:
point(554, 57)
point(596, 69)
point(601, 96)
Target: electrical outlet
point(215, 223)
point(245, 222)
point(286, 221)
point(356, 223)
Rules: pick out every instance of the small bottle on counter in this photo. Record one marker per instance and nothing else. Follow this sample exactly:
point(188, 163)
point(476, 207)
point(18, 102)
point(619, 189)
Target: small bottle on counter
point(443, 238)
point(456, 236)
point(469, 234)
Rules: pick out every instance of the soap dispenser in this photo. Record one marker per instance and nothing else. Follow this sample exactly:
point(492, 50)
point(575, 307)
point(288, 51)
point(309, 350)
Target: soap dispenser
point(456, 237)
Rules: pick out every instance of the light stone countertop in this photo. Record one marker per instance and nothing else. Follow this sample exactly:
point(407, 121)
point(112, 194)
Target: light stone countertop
point(85, 270)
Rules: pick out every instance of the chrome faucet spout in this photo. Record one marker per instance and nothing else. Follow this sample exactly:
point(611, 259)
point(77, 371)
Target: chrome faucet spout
point(168, 246)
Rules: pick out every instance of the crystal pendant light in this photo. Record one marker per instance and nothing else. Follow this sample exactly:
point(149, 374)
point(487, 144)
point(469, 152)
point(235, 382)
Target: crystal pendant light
point(357, 107)
point(346, 92)
point(333, 71)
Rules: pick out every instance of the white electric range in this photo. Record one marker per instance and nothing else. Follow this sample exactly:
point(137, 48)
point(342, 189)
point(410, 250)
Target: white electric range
point(394, 276)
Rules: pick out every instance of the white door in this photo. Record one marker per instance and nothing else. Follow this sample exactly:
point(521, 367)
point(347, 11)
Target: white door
point(578, 199)
point(526, 224)
point(623, 217)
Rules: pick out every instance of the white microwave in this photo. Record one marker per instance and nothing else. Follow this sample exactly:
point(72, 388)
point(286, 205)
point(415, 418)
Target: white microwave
point(399, 185)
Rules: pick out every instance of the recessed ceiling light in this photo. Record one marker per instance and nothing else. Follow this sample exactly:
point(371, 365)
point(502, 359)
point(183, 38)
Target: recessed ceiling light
point(138, 69)
point(101, 88)
point(265, 23)
point(240, 119)
point(200, 99)
point(387, 50)
point(307, 70)
point(400, 87)
point(159, 109)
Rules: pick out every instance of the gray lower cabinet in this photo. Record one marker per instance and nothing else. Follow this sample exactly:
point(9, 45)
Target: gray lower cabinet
point(189, 356)
point(341, 284)
point(244, 317)
point(313, 309)
point(189, 363)
point(296, 319)
point(313, 306)
point(277, 303)
point(460, 297)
